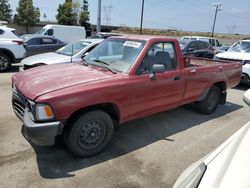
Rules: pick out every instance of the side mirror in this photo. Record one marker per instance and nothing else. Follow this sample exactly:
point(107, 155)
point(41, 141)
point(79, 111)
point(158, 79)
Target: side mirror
point(246, 97)
point(157, 68)
point(190, 49)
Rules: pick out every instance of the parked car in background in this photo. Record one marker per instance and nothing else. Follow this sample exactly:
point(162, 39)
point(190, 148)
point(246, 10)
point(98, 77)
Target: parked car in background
point(239, 51)
point(196, 48)
point(37, 44)
point(214, 42)
point(11, 48)
point(63, 55)
point(65, 33)
point(222, 49)
point(103, 35)
point(228, 166)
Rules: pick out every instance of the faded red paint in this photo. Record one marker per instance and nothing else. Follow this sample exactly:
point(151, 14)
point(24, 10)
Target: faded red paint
point(68, 88)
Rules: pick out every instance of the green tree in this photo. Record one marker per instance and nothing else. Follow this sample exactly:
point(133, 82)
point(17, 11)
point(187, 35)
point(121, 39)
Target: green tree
point(5, 11)
point(66, 14)
point(27, 14)
point(84, 15)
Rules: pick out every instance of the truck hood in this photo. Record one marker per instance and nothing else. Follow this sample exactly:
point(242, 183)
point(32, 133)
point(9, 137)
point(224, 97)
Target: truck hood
point(234, 55)
point(46, 58)
point(44, 79)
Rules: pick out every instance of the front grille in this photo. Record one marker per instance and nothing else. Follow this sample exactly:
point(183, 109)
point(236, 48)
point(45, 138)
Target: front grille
point(19, 109)
point(18, 103)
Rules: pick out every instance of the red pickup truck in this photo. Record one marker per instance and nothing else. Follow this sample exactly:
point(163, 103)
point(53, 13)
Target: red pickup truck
point(122, 79)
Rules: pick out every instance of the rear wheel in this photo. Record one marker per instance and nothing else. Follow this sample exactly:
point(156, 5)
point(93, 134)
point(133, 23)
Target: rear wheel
point(89, 133)
point(5, 62)
point(210, 103)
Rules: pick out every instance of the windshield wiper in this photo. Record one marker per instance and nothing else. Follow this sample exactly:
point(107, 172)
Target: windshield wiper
point(85, 62)
point(105, 63)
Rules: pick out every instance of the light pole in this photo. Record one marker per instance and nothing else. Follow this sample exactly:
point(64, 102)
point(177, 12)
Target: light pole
point(142, 10)
point(217, 8)
point(98, 25)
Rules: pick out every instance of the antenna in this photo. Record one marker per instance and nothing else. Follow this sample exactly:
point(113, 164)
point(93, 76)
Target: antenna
point(72, 51)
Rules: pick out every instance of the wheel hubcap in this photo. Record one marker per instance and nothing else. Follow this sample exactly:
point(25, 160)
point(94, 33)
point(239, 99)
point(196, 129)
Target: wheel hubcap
point(91, 134)
point(3, 63)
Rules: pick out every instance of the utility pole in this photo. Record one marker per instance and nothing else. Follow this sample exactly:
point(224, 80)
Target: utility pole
point(217, 8)
point(98, 25)
point(107, 14)
point(142, 10)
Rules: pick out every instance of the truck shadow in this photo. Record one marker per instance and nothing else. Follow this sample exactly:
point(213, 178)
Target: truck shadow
point(56, 162)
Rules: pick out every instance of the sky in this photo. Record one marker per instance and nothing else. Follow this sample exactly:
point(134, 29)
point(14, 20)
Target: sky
point(187, 15)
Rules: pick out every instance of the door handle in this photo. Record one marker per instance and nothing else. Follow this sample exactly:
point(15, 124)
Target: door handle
point(220, 67)
point(177, 77)
point(193, 71)
point(236, 66)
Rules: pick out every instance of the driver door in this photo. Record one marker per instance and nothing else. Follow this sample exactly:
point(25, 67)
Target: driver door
point(166, 91)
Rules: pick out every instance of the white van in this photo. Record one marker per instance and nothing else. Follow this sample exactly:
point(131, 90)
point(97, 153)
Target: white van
point(214, 42)
point(65, 33)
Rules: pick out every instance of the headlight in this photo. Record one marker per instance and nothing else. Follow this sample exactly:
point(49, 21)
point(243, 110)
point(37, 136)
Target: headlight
point(44, 112)
point(192, 179)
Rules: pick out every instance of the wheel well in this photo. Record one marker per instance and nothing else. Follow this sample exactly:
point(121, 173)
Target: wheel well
point(110, 108)
point(221, 85)
point(223, 94)
point(7, 53)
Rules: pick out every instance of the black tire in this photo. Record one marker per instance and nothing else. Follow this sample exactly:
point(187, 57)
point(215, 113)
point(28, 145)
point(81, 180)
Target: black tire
point(5, 62)
point(210, 103)
point(89, 133)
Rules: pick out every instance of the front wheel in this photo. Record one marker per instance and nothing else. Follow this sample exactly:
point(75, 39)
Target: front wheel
point(5, 62)
point(89, 133)
point(210, 103)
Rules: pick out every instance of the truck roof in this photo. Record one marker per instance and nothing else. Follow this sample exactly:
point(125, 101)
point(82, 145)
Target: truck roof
point(142, 37)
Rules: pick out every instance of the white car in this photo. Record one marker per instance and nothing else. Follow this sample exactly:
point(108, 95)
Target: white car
point(11, 48)
point(226, 167)
point(70, 53)
point(239, 51)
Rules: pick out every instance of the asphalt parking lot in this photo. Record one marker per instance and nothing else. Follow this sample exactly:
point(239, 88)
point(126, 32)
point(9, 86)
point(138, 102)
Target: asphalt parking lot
point(148, 152)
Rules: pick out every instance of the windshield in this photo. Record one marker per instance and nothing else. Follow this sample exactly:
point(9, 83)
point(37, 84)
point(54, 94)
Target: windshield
point(183, 43)
point(242, 46)
point(41, 31)
point(74, 47)
point(116, 54)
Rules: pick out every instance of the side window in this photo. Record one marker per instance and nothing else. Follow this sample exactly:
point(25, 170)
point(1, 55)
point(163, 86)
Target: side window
point(212, 42)
point(206, 44)
point(50, 32)
point(201, 45)
point(34, 41)
point(193, 45)
point(159, 53)
point(47, 41)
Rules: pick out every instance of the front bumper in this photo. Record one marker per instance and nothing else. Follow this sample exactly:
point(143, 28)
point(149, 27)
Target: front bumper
point(42, 134)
